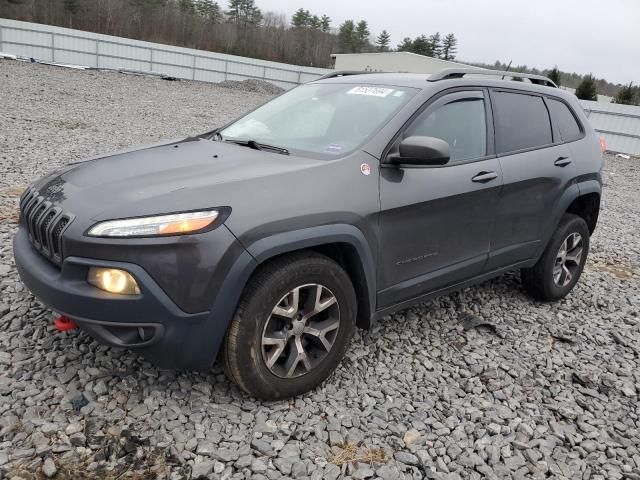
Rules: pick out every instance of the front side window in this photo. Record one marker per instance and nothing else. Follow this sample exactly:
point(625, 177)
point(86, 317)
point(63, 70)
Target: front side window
point(564, 119)
point(461, 123)
point(521, 122)
point(322, 118)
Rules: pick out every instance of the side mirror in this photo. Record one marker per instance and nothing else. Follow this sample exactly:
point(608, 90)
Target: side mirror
point(423, 151)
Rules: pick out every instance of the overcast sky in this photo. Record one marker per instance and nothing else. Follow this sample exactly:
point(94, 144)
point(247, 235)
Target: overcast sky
point(586, 36)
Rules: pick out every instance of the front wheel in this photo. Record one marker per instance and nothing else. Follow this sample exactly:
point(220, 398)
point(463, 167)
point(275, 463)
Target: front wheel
point(560, 266)
point(292, 327)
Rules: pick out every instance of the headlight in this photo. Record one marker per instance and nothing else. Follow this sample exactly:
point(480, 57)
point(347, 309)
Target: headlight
point(173, 224)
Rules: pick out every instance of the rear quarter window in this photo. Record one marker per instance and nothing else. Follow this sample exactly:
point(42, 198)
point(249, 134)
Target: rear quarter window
point(565, 120)
point(521, 122)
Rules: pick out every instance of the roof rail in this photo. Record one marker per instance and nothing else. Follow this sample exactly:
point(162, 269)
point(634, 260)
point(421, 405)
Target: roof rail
point(343, 73)
point(449, 73)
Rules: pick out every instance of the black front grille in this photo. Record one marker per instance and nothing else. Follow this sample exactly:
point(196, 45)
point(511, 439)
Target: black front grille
point(45, 223)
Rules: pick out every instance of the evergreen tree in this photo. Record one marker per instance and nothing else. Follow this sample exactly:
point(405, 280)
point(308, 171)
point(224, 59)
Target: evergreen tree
point(627, 96)
point(449, 47)
point(383, 40)
point(244, 13)
point(186, 6)
point(587, 89)
point(325, 23)
point(436, 45)
point(554, 75)
point(300, 18)
point(406, 45)
point(362, 35)
point(314, 22)
point(347, 37)
point(422, 46)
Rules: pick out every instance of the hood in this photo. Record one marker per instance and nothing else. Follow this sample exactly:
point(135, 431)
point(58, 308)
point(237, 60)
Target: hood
point(186, 175)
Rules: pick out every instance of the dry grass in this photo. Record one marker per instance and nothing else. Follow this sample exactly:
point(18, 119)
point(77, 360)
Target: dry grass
point(619, 270)
point(9, 213)
point(354, 453)
point(125, 457)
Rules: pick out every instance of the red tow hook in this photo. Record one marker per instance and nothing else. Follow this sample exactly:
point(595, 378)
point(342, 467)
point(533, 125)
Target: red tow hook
point(64, 324)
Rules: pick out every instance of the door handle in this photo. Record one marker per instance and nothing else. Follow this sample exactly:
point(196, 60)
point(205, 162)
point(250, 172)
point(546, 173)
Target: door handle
point(562, 162)
point(485, 177)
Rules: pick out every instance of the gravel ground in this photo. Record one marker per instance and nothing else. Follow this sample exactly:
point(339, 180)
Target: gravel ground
point(547, 390)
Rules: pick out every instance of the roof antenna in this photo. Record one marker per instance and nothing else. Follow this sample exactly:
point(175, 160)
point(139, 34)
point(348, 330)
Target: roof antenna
point(508, 67)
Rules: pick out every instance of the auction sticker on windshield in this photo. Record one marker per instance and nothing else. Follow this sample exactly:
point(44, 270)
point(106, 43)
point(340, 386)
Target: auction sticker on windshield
point(370, 91)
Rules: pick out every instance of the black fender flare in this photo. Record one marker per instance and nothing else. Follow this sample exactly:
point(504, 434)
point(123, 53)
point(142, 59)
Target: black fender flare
point(569, 195)
point(257, 253)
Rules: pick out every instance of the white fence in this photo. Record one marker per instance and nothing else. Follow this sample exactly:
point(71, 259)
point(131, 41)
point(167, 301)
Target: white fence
point(618, 124)
point(64, 45)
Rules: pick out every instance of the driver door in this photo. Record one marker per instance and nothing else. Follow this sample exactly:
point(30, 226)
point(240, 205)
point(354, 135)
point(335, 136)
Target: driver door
point(436, 221)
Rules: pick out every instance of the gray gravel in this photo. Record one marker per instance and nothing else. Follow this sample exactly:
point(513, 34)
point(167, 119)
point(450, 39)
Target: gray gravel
point(550, 390)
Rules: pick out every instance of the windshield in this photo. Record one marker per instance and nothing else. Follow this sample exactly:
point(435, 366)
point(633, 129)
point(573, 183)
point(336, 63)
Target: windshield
point(329, 118)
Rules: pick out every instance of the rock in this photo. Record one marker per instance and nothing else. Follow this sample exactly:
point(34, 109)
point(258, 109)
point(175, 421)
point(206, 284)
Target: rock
point(73, 428)
point(49, 428)
point(225, 455)
point(206, 448)
point(406, 458)
point(411, 437)
point(263, 447)
point(49, 467)
point(201, 469)
point(335, 438)
point(100, 388)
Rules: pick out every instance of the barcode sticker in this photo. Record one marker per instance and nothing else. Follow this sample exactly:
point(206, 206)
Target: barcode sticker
point(370, 91)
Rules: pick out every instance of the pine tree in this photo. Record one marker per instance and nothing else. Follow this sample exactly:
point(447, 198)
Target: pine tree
point(300, 18)
point(325, 23)
point(383, 40)
point(587, 89)
point(554, 76)
point(449, 47)
point(186, 6)
point(436, 45)
point(422, 46)
point(406, 45)
point(362, 35)
point(627, 96)
point(347, 37)
point(314, 22)
point(244, 12)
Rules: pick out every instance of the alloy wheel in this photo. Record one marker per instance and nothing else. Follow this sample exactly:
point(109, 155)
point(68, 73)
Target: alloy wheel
point(568, 260)
point(301, 330)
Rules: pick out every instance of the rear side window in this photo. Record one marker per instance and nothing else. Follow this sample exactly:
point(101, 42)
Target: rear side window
point(565, 120)
point(521, 121)
point(461, 123)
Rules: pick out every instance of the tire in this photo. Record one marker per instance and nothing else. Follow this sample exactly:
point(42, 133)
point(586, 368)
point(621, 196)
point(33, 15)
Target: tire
point(267, 314)
point(547, 280)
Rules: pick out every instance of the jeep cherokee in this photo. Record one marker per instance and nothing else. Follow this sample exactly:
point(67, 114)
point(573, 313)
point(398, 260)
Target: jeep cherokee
point(265, 242)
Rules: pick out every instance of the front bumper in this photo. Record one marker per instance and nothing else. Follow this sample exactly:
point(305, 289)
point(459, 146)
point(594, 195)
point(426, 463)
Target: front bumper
point(149, 323)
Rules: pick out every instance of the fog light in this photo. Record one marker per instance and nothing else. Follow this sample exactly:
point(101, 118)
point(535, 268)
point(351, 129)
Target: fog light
point(113, 280)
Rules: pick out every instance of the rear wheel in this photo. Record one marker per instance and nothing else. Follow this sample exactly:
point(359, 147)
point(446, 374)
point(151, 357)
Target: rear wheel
point(292, 327)
point(560, 266)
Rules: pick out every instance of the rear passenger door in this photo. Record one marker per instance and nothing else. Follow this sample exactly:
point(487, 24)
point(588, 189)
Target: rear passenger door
point(537, 169)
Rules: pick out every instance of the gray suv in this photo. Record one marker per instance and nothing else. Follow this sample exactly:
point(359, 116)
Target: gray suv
point(266, 242)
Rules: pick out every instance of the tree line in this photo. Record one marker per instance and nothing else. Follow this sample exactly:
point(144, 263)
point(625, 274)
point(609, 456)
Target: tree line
point(238, 27)
point(587, 87)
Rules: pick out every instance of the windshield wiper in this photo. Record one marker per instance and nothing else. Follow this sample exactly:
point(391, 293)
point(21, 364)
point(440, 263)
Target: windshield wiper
point(259, 146)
